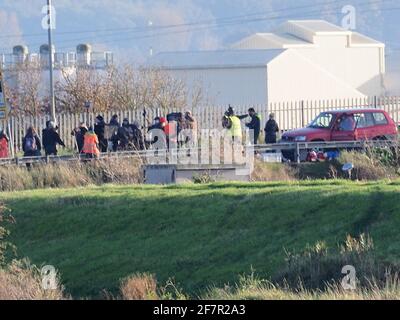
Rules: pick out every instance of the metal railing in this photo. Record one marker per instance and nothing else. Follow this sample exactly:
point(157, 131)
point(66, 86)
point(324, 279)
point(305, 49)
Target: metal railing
point(289, 115)
point(98, 60)
point(296, 148)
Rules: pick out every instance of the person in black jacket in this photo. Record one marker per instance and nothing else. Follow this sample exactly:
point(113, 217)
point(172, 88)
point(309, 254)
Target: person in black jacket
point(51, 138)
point(114, 121)
point(254, 124)
point(79, 134)
point(124, 135)
point(100, 131)
point(137, 137)
point(271, 130)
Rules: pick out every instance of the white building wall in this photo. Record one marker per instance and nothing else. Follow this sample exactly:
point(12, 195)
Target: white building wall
point(223, 86)
point(291, 77)
point(361, 67)
point(392, 79)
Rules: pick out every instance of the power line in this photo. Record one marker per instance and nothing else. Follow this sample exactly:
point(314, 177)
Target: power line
point(214, 27)
point(214, 24)
point(210, 21)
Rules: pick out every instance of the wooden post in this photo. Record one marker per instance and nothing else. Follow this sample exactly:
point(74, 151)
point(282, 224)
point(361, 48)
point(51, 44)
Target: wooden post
point(298, 160)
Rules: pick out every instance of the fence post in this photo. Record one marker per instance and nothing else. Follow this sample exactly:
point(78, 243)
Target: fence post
point(302, 113)
point(298, 160)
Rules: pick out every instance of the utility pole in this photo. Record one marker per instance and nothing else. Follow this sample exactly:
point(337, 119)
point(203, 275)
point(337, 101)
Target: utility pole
point(150, 25)
point(51, 62)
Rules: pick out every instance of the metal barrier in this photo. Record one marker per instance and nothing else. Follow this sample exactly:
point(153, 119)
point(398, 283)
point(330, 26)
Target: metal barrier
point(174, 153)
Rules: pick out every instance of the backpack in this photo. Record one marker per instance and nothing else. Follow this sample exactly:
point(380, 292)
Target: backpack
point(30, 144)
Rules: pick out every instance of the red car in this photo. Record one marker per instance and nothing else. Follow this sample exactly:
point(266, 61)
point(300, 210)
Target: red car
point(346, 125)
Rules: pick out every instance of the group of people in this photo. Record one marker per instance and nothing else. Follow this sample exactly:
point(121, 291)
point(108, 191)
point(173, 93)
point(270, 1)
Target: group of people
point(32, 145)
point(232, 122)
point(103, 137)
point(126, 136)
point(178, 129)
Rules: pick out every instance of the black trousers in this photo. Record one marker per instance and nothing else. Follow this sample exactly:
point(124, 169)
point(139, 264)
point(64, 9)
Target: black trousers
point(270, 139)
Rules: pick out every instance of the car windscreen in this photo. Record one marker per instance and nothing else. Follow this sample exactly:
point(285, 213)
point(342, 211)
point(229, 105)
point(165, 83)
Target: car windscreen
point(323, 121)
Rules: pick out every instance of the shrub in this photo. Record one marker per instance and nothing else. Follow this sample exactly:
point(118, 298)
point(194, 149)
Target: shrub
point(5, 246)
point(204, 178)
point(318, 266)
point(145, 287)
point(272, 172)
point(366, 166)
point(139, 287)
point(21, 281)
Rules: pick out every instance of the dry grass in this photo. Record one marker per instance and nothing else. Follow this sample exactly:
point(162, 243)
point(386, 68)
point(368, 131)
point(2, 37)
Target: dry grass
point(139, 287)
point(20, 281)
point(367, 167)
point(272, 172)
point(73, 174)
point(252, 288)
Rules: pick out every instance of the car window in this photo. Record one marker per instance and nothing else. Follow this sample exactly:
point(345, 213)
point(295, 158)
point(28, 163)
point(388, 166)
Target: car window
point(364, 120)
point(346, 123)
point(380, 119)
point(323, 121)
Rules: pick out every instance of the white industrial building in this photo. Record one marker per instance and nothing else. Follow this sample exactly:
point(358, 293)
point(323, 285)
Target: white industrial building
point(64, 63)
point(300, 60)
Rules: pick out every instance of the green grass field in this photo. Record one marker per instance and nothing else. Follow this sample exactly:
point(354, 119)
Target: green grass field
point(200, 235)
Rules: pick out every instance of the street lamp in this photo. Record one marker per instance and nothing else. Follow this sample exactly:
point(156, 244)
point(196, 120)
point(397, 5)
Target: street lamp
point(51, 62)
point(88, 105)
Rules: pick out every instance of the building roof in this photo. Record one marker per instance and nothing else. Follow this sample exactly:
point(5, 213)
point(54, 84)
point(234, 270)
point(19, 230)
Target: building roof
point(214, 59)
point(318, 27)
point(301, 34)
point(273, 40)
point(360, 40)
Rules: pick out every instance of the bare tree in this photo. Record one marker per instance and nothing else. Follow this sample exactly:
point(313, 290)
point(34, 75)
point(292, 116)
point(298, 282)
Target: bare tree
point(23, 88)
point(114, 88)
point(82, 85)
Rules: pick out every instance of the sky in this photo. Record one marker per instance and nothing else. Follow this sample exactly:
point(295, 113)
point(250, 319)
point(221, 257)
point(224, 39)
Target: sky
point(130, 28)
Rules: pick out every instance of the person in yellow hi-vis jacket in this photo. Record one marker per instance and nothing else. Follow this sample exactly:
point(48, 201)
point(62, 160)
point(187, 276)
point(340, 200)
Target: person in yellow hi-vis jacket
point(234, 125)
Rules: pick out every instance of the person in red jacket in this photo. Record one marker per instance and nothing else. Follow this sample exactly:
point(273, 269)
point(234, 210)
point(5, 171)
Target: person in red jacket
point(170, 130)
point(3, 145)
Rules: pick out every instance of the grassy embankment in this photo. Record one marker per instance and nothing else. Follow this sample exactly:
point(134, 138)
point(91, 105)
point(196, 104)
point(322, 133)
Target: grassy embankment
point(201, 235)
